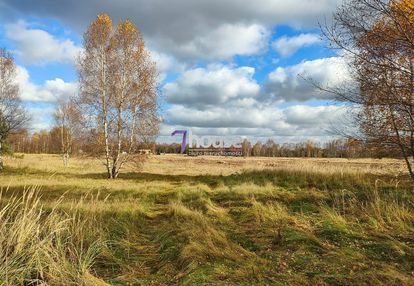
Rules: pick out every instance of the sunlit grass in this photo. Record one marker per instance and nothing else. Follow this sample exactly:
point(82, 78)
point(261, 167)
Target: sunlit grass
point(193, 221)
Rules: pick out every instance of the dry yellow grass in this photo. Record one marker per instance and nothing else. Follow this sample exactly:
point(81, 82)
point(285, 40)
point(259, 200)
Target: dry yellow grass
point(222, 221)
point(184, 165)
point(88, 173)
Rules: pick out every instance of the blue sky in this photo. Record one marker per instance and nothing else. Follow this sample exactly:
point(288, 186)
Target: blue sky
point(227, 67)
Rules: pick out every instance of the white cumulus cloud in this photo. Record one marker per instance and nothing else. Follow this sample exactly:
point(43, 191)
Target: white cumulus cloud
point(214, 85)
point(206, 29)
point(294, 83)
point(225, 42)
point(50, 91)
point(35, 46)
point(259, 120)
point(40, 117)
point(287, 46)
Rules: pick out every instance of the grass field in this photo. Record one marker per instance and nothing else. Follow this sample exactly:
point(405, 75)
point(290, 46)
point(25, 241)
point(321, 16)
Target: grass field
point(206, 221)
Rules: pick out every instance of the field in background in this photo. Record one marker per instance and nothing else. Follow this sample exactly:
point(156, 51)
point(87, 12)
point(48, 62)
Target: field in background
point(210, 221)
point(182, 165)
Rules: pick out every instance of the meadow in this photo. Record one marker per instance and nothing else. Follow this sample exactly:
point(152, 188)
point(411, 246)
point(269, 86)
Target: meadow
point(206, 221)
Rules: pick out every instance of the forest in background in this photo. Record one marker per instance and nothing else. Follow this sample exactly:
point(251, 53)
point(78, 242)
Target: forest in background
point(50, 142)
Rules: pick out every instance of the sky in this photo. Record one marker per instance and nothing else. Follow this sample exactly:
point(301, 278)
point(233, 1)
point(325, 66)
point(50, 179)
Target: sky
point(227, 67)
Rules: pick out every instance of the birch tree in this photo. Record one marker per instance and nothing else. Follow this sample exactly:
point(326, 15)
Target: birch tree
point(118, 91)
point(12, 114)
point(377, 37)
point(68, 120)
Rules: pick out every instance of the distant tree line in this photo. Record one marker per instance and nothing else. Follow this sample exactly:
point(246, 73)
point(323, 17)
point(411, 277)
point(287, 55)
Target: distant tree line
point(335, 148)
point(50, 142)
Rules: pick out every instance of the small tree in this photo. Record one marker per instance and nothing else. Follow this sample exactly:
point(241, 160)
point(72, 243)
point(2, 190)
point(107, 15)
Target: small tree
point(246, 148)
point(118, 92)
point(12, 115)
point(257, 149)
point(68, 120)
